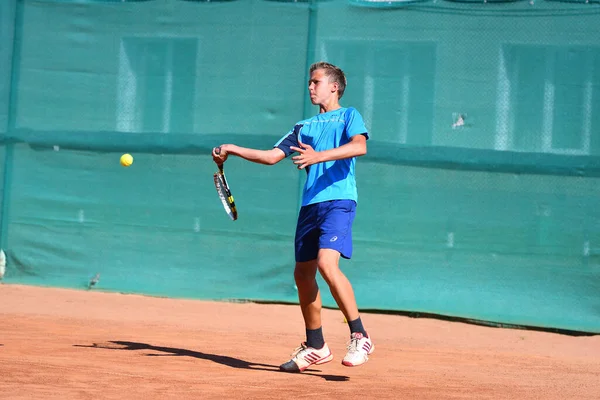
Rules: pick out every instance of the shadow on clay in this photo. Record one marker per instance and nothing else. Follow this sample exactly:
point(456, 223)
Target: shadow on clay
point(224, 360)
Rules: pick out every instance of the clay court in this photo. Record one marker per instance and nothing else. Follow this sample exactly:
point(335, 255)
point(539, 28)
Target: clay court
point(68, 344)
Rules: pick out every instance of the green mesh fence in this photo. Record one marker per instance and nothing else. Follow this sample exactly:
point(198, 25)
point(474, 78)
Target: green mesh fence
point(478, 197)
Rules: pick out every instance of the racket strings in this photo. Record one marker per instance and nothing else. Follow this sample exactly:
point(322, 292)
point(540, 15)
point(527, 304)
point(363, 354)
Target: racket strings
point(225, 196)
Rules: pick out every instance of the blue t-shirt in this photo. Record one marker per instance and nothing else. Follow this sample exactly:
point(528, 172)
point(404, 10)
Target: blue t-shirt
point(330, 180)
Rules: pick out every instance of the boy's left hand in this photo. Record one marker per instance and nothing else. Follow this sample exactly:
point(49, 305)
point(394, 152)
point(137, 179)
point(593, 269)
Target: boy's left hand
point(308, 156)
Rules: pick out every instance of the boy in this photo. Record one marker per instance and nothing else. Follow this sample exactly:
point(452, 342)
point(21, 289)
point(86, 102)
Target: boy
point(327, 146)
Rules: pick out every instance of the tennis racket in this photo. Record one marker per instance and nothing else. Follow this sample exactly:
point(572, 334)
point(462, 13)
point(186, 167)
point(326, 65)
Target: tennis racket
point(224, 192)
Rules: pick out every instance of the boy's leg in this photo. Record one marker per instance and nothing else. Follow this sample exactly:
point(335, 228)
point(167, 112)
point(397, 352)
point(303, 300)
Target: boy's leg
point(335, 240)
point(341, 289)
point(309, 295)
point(314, 350)
point(360, 345)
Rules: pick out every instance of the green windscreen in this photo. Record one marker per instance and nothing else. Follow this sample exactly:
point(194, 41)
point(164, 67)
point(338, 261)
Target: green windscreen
point(477, 198)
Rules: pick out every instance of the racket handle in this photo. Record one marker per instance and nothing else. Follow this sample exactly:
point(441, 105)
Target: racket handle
point(217, 152)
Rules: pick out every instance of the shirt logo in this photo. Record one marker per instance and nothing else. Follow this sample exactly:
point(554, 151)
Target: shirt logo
point(333, 239)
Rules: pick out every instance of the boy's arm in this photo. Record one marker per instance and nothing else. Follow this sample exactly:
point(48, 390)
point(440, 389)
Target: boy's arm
point(357, 146)
point(267, 157)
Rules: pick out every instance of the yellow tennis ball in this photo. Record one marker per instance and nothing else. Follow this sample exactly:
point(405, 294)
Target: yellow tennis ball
point(126, 160)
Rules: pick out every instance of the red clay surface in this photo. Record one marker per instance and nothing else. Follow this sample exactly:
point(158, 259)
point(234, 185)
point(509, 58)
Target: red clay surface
point(67, 344)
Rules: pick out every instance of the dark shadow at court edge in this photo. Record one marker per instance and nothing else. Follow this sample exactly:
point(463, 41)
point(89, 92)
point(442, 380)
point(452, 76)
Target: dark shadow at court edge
point(224, 360)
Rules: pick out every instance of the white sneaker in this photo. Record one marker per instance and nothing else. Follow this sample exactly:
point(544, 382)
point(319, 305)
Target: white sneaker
point(359, 349)
point(304, 356)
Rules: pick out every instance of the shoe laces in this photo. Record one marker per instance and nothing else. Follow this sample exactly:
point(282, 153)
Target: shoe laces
point(353, 343)
point(299, 349)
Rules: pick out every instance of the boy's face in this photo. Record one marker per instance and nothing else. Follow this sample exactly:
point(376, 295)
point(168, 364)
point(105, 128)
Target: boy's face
point(320, 89)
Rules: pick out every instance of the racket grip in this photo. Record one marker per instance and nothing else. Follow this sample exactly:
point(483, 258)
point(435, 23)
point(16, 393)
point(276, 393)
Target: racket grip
point(217, 152)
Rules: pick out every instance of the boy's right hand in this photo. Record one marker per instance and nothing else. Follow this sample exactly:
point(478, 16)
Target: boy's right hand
point(219, 154)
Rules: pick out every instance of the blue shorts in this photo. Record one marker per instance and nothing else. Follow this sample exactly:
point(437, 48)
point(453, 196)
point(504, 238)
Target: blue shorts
point(325, 225)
